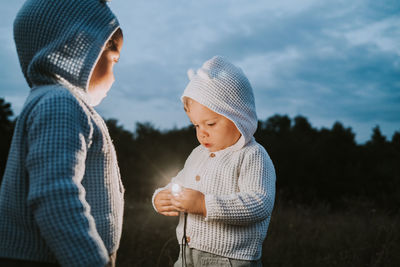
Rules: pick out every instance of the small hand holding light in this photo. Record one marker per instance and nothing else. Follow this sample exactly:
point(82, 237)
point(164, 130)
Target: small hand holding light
point(190, 201)
point(176, 189)
point(163, 204)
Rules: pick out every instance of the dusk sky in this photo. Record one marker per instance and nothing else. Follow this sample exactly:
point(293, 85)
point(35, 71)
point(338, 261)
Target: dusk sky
point(326, 60)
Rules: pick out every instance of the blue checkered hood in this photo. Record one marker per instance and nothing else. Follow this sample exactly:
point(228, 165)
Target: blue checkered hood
point(69, 50)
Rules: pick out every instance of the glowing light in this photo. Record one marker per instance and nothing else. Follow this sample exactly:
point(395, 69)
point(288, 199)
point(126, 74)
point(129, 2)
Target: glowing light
point(176, 189)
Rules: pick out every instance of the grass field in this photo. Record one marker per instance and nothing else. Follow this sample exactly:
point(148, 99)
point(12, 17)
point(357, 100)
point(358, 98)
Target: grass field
point(297, 236)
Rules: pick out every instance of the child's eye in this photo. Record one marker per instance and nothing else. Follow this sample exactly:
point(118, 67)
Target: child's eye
point(211, 124)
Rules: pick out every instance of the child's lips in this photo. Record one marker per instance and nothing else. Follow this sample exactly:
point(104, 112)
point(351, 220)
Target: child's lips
point(207, 144)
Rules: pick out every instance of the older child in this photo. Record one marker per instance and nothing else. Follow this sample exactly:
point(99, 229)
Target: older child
point(228, 180)
point(61, 199)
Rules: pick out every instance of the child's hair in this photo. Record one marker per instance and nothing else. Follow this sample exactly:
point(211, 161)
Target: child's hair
point(112, 43)
point(186, 102)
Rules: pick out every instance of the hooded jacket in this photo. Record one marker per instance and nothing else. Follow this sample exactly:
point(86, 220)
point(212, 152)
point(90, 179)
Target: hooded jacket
point(238, 182)
point(61, 198)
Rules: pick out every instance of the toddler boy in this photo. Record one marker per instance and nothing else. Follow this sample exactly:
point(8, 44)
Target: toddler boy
point(228, 181)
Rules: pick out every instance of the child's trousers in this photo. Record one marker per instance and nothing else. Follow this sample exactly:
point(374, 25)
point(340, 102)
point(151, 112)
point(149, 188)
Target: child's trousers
point(195, 258)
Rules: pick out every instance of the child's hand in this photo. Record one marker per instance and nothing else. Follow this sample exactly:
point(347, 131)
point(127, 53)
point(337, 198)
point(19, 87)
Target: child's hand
point(190, 201)
point(163, 204)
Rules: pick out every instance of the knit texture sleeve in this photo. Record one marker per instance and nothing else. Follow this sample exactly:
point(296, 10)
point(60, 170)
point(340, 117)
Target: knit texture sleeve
point(58, 136)
point(254, 201)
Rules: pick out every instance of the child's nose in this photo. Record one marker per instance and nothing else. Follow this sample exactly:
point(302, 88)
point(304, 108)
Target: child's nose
point(203, 133)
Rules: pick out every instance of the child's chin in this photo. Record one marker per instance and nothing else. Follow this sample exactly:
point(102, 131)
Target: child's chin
point(96, 101)
point(209, 147)
point(212, 149)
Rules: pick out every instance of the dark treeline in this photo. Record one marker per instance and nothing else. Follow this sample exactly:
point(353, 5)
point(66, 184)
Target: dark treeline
point(313, 166)
point(6, 131)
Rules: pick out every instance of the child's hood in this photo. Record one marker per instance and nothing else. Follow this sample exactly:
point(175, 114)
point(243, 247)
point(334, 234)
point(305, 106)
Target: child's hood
point(222, 87)
point(59, 42)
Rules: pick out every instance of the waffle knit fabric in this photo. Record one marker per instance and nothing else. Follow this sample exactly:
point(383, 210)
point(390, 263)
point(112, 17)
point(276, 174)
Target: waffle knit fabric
point(222, 87)
point(61, 197)
point(239, 181)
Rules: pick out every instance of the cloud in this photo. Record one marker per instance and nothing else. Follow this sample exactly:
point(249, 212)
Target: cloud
point(326, 62)
point(330, 61)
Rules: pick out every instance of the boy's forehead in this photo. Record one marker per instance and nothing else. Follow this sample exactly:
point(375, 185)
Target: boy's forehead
point(197, 108)
point(199, 113)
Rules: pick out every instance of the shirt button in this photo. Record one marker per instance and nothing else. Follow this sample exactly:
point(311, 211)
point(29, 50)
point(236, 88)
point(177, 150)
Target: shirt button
point(197, 178)
point(212, 155)
point(188, 239)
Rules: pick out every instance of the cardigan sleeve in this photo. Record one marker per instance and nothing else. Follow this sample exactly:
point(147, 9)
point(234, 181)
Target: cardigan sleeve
point(58, 136)
point(254, 201)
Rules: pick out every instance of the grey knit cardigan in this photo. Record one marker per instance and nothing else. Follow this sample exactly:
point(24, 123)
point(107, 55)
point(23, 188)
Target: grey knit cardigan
point(61, 198)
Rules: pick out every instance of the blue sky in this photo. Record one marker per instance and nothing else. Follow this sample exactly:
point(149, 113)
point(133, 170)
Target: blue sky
point(326, 60)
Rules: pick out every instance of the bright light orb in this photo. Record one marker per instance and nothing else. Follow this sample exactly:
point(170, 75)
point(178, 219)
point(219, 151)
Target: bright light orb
point(176, 189)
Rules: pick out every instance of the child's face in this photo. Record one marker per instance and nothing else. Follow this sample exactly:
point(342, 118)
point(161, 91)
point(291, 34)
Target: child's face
point(103, 74)
point(213, 130)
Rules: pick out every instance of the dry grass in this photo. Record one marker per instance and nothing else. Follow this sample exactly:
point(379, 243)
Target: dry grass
point(297, 236)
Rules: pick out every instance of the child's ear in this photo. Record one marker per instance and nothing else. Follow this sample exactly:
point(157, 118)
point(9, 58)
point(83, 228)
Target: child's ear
point(191, 73)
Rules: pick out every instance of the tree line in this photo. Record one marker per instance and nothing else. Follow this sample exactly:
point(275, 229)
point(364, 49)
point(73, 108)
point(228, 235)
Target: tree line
point(312, 165)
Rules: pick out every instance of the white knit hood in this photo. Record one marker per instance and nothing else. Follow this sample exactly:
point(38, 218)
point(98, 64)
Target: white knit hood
point(60, 41)
point(222, 87)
